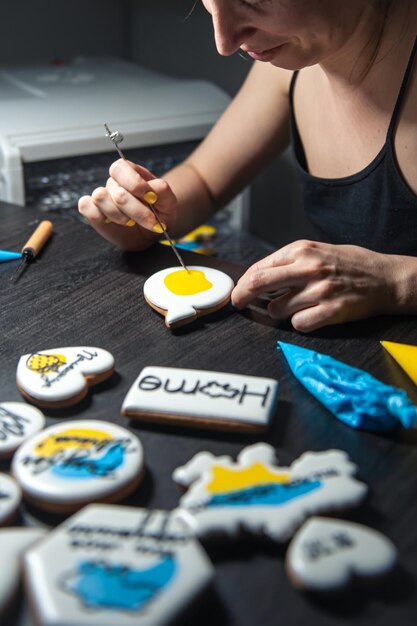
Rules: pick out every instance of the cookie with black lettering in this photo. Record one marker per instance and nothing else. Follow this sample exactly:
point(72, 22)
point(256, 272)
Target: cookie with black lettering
point(326, 555)
point(18, 422)
point(71, 464)
point(119, 565)
point(61, 377)
point(202, 399)
point(10, 499)
point(257, 495)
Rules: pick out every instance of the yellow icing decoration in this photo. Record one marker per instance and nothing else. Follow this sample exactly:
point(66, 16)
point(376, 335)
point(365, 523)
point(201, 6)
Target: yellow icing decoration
point(72, 438)
point(203, 232)
point(225, 479)
point(405, 355)
point(187, 283)
point(45, 363)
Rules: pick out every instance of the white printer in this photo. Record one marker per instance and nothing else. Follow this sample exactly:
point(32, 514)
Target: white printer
point(53, 147)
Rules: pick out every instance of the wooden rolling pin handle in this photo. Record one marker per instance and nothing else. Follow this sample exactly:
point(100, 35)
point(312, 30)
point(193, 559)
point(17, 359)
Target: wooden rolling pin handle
point(38, 239)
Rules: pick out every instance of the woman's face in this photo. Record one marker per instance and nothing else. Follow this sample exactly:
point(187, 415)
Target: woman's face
point(287, 33)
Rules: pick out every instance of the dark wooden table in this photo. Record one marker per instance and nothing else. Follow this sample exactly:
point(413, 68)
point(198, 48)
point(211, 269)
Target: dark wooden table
point(82, 291)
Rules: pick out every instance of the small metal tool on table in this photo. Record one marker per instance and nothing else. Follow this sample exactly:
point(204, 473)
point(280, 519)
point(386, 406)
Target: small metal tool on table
point(33, 246)
point(149, 197)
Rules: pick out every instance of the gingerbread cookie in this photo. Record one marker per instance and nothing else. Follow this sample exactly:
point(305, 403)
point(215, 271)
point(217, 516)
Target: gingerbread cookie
point(18, 422)
point(202, 399)
point(183, 295)
point(13, 544)
point(112, 565)
point(10, 498)
point(257, 495)
point(326, 554)
point(61, 377)
point(76, 462)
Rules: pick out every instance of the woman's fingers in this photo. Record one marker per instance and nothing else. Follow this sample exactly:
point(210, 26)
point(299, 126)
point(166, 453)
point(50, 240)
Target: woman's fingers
point(128, 184)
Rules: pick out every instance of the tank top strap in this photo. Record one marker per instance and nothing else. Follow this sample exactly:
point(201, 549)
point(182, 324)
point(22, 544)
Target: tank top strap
point(292, 85)
point(402, 92)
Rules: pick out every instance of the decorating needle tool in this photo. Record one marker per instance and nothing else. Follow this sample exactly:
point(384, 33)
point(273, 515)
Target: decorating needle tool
point(33, 246)
point(150, 197)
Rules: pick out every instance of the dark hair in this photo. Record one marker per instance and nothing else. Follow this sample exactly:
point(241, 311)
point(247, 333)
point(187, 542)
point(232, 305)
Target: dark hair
point(373, 45)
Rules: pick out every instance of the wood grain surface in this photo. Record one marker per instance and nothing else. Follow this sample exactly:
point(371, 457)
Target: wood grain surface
point(83, 291)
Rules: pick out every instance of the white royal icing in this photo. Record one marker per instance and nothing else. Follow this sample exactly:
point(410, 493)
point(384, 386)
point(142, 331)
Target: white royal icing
point(10, 498)
point(214, 396)
point(60, 373)
point(77, 462)
point(259, 496)
point(13, 544)
point(18, 422)
point(325, 554)
point(112, 565)
point(183, 307)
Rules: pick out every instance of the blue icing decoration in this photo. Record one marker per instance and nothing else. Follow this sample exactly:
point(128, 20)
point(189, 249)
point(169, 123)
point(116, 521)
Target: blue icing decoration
point(351, 394)
point(273, 494)
point(117, 587)
point(81, 465)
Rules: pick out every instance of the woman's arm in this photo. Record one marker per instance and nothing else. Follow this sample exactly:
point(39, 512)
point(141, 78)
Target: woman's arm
point(251, 131)
point(323, 284)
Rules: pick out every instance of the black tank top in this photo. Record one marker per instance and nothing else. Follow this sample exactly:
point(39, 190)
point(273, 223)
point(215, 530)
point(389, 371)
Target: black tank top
point(374, 208)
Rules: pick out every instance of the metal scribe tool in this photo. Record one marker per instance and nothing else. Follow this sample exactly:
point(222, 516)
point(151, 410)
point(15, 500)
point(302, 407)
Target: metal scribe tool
point(149, 197)
point(34, 245)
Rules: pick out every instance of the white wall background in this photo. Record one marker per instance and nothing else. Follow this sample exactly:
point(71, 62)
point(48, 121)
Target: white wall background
point(156, 34)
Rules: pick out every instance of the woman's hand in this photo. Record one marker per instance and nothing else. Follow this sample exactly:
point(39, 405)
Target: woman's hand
point(113, 208)
point(323, 284)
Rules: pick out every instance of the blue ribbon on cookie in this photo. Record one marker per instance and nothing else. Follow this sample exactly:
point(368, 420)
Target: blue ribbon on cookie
point(353, 396)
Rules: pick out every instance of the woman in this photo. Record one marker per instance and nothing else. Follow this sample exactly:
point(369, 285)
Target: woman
point(340, 74)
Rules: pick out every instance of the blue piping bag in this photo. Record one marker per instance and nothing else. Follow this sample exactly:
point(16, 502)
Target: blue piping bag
point(6, 255)
point(352, 395)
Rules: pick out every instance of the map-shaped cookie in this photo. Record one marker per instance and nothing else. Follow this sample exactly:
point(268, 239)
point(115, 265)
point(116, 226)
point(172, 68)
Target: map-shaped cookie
point(256, 495)
point(183, 295)
point(61, 377)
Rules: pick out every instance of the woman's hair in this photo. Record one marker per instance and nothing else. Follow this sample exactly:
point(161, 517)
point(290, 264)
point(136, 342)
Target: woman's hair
point(372, 47)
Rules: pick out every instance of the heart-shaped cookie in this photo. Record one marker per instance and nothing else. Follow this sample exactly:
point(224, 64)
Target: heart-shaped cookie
point(326, 554)
point(61, 377)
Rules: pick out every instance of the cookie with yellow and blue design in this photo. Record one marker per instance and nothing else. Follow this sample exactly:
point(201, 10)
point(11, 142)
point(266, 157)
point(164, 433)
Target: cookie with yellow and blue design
point(257, 495)
point(71, 464)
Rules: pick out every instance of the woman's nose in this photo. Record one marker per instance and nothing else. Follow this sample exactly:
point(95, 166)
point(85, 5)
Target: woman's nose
point(231, 30)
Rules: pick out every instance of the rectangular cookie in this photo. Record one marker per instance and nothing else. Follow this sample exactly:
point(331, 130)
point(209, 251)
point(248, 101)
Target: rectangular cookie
point(202, 399)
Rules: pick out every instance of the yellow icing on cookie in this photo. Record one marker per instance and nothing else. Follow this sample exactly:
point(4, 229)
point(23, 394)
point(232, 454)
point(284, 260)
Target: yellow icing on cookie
point(45, 363)
point(225, 479)
point(72, 438)
point(187, 283)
